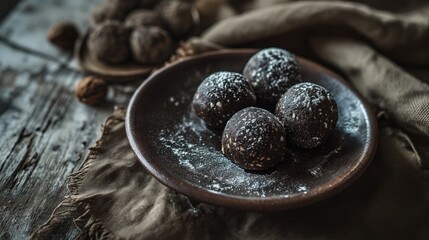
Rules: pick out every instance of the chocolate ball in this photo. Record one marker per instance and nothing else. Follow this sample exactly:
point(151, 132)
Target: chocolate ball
point(177, 17)
point(271, 72)
point(150, 45)
point(254, 139)
point(308, 113)
point(221, 95)
point(109, 42)
point(143, 18)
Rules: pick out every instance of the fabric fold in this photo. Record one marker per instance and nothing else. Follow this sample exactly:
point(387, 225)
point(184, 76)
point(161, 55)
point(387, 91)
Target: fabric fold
point(402, 37)
point(385, 84)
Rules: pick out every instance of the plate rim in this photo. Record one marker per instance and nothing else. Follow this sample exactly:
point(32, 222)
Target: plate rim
point(254, 203)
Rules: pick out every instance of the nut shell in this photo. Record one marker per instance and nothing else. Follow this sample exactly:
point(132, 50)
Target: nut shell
point(63, 35)
point(91, 90)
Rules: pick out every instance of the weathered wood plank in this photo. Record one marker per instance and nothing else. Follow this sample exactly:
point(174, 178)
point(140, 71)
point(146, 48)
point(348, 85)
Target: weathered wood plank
point(45, 135)
point(30, 20)
point(44, 130)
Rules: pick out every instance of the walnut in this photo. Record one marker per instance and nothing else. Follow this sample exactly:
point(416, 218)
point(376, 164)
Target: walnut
point(177, 17)
point(143, 18)
point(91, 90)
point(109, 42)
point(63, 35)
point(150, 45)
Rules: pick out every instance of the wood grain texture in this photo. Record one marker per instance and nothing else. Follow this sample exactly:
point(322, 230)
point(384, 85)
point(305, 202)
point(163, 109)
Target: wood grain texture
point(44, 131)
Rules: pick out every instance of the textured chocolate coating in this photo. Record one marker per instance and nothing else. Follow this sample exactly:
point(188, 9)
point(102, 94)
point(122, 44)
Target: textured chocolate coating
point(150, 45)
point(271, 72)
point(109, 42)
point(309, 114)
point(254, 139)
point(221, 95)
point(177, 17)
point(143, 18)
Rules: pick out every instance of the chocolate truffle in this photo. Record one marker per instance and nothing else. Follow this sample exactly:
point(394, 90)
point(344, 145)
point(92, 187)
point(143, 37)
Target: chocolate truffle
point(143, 18)
point(150, 45)
point(308, 113)
point(254, 139)
point(271, 72)
point(109, 42)
point(221, 95)
point(177, 17)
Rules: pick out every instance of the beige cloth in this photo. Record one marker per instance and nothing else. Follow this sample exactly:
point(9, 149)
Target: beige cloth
point(113, 197)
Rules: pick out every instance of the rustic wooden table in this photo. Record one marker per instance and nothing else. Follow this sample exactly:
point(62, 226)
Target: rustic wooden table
point(44, 131)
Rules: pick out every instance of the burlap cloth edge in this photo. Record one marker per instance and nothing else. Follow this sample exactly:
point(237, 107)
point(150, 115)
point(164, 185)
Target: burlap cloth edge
point(80, 211)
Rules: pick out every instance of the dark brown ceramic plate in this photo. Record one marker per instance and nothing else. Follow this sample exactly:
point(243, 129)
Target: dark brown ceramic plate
point(176, 147)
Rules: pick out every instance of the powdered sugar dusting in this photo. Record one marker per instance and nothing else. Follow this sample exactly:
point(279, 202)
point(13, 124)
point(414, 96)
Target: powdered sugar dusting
point(271, 72)
point(197, 150)
point(190, 142)
point(220, 95)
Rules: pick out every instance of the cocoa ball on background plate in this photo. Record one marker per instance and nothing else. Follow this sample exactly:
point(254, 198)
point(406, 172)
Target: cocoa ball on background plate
point(177, 17)
point(150, 45)
point(109, 42)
